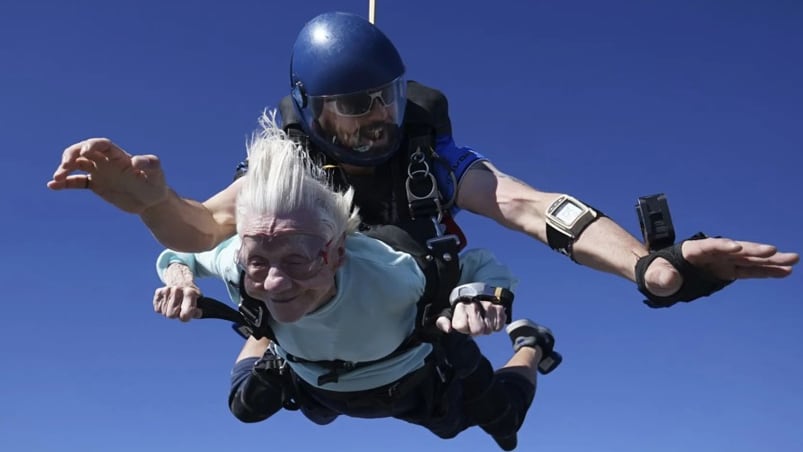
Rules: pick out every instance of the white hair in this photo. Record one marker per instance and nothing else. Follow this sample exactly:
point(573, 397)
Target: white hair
point(283, 179)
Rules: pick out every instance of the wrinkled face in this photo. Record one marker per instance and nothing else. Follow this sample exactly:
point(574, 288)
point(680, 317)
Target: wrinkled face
point(289, 263)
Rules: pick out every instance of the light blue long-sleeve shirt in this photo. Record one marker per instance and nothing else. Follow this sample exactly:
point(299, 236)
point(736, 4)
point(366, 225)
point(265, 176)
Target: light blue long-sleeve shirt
point(371, 314)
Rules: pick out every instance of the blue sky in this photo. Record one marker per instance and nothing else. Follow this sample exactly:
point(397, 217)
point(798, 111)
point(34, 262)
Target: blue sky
point(605, 100)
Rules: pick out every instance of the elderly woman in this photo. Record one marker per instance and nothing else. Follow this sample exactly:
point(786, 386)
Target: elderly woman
point(335, 294)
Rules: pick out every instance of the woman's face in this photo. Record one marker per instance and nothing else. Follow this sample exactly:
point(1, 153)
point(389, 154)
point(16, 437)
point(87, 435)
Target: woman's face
point(289, 264)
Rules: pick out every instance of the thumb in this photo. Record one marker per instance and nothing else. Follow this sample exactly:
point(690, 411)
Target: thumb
point(444, 324)
point(662, 279)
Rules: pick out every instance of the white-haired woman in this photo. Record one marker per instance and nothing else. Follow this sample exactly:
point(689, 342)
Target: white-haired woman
point(334, 294)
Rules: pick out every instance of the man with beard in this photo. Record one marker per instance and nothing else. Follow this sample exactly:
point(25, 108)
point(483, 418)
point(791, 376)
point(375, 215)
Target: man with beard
point(388, 138)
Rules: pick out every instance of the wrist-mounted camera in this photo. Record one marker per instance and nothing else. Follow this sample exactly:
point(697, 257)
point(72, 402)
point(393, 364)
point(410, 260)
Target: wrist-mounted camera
point(655, 221)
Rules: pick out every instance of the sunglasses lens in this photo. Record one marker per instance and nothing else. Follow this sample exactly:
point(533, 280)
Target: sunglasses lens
point(359, 104)
point(354, 104)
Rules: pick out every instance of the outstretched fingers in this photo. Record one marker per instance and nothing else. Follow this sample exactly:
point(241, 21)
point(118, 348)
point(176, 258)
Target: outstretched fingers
point(83, 156)
point(762, 271)
point(731, 259)
point(703, 251)
point(76, 181)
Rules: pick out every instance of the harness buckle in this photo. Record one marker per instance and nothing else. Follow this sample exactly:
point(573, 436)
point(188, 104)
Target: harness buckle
point(421, 177)
point(336, 369)
point(444, 247)
point(244, 331)
point(272, 362)
point(252, 315)
point(423, 196)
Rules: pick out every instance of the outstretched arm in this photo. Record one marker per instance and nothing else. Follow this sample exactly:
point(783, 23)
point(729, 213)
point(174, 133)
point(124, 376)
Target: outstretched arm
point(136, 184)
point(187, 225)
point(604, 245)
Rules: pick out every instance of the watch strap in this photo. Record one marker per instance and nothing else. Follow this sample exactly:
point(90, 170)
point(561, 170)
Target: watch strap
point(559, 241)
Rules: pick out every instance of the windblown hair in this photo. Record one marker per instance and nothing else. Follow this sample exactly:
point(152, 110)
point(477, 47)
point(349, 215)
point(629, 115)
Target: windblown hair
point(282, 179)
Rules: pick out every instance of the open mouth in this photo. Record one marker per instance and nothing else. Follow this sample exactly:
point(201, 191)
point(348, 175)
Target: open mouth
point(369, 136)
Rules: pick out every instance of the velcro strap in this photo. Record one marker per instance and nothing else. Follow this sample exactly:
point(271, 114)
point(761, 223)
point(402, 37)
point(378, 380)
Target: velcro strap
point(696, 282)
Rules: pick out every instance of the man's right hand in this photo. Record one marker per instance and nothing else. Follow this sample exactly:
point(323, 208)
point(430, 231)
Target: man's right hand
point(131, 183)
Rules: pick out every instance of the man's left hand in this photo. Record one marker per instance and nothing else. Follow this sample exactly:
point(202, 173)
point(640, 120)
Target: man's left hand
point(724, 258)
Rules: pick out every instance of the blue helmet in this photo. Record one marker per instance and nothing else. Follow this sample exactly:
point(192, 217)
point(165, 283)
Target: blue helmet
point(347, 84)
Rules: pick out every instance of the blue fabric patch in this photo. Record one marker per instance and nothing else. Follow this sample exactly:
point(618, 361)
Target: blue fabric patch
point(458, 159)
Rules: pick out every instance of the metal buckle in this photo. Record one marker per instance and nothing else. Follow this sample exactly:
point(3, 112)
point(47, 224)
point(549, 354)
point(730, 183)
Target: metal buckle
point(442, 244)
point(419, 175)
point(254, 319)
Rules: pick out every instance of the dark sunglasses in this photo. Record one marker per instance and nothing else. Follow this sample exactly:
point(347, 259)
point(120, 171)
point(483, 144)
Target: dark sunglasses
point(360, 104)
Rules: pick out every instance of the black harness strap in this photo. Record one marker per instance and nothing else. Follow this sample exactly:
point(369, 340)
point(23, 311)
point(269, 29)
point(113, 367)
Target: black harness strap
point(338, 367)
point(254, 313)
point(439, 261)
point(214, 309)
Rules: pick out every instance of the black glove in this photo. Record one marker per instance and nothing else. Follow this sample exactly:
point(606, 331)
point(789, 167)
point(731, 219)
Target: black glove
point(696, 282)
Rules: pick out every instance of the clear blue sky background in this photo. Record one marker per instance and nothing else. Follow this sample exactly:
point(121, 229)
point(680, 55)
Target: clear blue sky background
point(608, 101)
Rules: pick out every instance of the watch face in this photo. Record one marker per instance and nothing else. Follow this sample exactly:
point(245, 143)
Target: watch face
point(568, 212)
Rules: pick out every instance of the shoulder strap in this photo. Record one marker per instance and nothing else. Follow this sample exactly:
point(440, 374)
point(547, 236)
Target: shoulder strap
point(288, 113)
point(427, 107)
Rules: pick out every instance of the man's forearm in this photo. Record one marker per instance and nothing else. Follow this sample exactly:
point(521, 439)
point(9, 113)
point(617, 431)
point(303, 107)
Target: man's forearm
point(182, 224)
point(605, 246)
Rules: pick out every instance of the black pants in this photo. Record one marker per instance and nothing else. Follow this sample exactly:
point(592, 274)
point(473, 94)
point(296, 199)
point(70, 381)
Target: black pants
point(456, 389)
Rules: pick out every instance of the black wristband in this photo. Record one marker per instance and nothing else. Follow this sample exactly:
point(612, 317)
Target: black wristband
point(696, 282)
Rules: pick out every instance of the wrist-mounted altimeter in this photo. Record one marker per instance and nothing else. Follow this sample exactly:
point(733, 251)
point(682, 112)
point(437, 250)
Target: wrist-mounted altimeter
point(566, 219)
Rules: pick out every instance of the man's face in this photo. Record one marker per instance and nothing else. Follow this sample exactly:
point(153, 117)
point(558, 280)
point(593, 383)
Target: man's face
point(362, 127)
point(289, 264)
point(375, 129)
